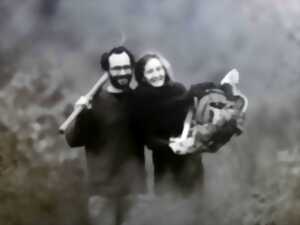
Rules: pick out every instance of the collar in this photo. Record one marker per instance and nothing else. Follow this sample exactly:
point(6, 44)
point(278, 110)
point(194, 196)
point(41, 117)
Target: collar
point(113, 90)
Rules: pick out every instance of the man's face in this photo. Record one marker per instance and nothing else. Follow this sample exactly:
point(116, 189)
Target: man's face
point(120, 70)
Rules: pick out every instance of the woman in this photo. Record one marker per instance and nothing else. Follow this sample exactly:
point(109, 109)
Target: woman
point(160, 107)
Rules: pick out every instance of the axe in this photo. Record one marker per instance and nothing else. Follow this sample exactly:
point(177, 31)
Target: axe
point(89, 95)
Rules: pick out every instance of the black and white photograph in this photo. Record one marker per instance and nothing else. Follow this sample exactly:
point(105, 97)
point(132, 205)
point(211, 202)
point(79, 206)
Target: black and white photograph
point(149, 112)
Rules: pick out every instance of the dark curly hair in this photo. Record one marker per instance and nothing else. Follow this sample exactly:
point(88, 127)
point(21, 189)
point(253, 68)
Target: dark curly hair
point(117, 50)
point(140, 68)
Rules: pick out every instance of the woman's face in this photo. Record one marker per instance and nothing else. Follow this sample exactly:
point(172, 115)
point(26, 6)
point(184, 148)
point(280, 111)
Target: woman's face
point(154, 73)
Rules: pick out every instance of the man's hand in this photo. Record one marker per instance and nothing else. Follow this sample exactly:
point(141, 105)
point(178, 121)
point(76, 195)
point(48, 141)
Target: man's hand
point(83, 102)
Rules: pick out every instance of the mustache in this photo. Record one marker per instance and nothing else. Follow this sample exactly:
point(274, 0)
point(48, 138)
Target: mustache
point(123, 79)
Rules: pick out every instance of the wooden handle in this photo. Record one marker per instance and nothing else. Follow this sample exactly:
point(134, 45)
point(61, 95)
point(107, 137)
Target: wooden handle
point(73, 115)
point(186, 125)
point(78, 110)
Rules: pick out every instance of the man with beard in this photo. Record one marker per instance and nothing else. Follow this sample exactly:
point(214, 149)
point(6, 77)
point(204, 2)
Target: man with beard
point(115, 159)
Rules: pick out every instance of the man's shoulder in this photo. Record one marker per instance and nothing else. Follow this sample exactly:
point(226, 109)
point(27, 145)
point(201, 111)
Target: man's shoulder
point(103, 93)
point(102, 96)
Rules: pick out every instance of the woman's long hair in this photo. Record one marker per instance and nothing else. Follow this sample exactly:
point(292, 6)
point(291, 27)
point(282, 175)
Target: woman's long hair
point(140, 69)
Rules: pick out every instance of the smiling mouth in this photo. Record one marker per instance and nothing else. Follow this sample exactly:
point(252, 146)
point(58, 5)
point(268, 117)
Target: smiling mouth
point(157, 79)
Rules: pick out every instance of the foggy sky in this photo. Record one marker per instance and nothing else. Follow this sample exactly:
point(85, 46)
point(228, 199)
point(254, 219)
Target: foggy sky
point(201, 39)
point(59, 43)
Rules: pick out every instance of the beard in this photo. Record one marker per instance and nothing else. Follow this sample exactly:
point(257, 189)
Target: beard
point(121, 82)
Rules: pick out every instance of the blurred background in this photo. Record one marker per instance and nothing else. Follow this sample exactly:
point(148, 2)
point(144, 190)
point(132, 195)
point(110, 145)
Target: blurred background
point(49, 56)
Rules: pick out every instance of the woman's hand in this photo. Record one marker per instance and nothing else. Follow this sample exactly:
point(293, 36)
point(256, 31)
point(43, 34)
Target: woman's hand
point(182, 146)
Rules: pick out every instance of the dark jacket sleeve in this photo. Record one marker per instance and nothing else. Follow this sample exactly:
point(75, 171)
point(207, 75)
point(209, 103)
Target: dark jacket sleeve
point(158, 112)
point(155, 143)
point(177, 105)
point(77, 132)
point(146, 135)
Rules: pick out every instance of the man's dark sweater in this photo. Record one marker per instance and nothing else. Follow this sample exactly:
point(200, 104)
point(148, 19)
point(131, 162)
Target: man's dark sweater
point(115, 159)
